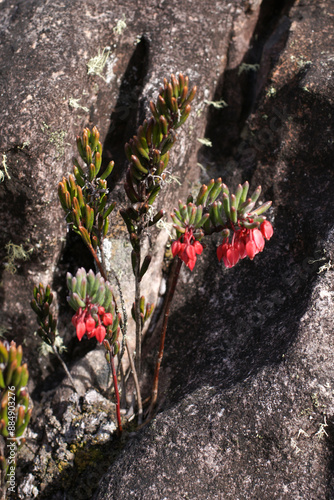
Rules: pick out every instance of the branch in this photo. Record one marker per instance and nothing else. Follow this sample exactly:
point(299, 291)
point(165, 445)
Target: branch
point(174, 278)
point(118, 405)
point(55, 350)
point(135, 378)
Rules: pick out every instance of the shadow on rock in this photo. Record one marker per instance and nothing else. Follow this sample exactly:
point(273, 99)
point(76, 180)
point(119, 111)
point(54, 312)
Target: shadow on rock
point(247, 317)
point(127, 111)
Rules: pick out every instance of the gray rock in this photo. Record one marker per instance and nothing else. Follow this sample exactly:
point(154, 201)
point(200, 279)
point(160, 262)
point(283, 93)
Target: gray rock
point(52, 88)
point(27, 488)
point(47, 97)
point(77, 432)
point(246, 401)
point(246, 390)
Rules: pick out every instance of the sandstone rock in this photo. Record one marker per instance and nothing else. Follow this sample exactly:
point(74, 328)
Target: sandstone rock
point(52, 87)
point(246, 409)
point(246, 392)
point(50, 91)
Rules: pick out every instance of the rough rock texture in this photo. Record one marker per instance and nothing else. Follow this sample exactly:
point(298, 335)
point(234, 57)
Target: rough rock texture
point(76, 441)
point(247, 406)
point(48, 95)
point(246, 391)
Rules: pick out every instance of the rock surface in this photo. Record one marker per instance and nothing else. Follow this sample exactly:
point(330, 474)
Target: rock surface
point(247, 383)
point(247, 406)
point(51, 87)
point(53, 84)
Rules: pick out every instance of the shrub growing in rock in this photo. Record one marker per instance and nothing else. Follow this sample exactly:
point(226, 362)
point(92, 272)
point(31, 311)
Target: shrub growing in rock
point(84, 197)
point(14, 412)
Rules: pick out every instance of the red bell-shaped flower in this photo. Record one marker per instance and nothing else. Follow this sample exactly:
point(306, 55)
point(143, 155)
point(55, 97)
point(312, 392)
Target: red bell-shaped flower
point(258, 239)
point(80, 329)
point(232, 256)
point(187, 249)
point(100, 333)
point(90, 323)
point(107, 319)
point(251, 249)
point(245, 243)
point(266, 229)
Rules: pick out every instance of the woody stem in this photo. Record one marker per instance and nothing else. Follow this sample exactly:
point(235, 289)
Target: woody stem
point(137, 314)
point(176, 266)
point(118, 405)
point(98, 263)
point(112, 363)
point(60, 359)
point(135, 378)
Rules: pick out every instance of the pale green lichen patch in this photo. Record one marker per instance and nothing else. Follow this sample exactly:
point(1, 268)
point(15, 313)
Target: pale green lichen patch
point(120, 26)
point(74, 103)
point(45, 349)
point(4, 170)
point(25, 144)
point(15, 253)
point(96, 64)
point(217, 104)
point(57, 138)
point(205, 142)
point(301, 61)
point(271, 92)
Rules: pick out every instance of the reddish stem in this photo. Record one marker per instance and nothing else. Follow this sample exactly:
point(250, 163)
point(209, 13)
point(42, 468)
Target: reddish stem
point(137, 316)
point(112, 363)
point(118, 404)
point(98, 263)
point(135, 378)
point(173, 282)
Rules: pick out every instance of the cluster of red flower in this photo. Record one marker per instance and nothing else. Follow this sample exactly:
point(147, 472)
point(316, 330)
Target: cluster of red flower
point(84, 322)
point(245, 243)
point(188, 249)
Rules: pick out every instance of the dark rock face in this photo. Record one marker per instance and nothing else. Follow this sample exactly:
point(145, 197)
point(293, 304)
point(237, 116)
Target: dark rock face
point(246, 408)
point(52, 88)
point(246, 392)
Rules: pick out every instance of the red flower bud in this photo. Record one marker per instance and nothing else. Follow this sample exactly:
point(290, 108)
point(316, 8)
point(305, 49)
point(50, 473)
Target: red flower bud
point(198, 247)
point(100, 333)
point(107, 319)
point(101, 311)
point(232, 256)
point(251, 249)
point(91, 334)
point(81, 329)
point(266, 229)
point(240, 245)
point(176, 247)
point(90, 324)
point(258, 240)
point(191, 264)
point(221, 251)
point(77, 316)
point(190, 251)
